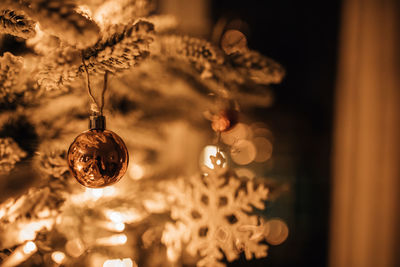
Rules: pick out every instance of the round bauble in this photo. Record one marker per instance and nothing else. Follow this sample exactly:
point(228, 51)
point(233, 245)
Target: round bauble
point(98, 158)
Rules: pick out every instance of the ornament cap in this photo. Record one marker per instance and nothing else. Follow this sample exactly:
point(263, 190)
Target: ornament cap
point(97, 122)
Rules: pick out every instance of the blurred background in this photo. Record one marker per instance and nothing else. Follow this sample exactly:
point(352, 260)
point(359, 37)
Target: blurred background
point(335, 119)
point(334, 122)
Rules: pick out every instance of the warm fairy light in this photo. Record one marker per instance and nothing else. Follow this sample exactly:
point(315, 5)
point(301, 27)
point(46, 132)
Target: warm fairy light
point(172, 255)
point(119, 263)
point(2, 212)
point(29, 230)
point(276, 231)
point(115, 216)
point(20, 254)
point(123, 217)
point(96, 192)
point(136, 172)
point(243, 152)
point(119, 226)
point(238, 132)
point(208, 152)
point(58, 257)
point(109, 191)
point(29, 247)
point(264, 149)
point(114, 226)
point(113, 240)
point(75, 247)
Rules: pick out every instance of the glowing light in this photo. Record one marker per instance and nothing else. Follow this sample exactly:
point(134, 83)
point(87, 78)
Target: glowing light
point(239, 131)
point(276, 231)
point(264, 149)
point(29, 247)
point(119, 227)
point(113, 240)
point(95, 193)
point(119, 263)
point(243, 152)
point(2, 212)
point(115, 217)
point(136, 172)
point(58, 257)
point(109, 191)
point(29, 230)
point(172, 255)
point(125, 217)
point(20, 254)
point(74, 247)
point(205, 158)
point(114, 226)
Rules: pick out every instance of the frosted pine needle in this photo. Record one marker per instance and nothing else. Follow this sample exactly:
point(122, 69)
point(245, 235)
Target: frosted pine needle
point(17, 24)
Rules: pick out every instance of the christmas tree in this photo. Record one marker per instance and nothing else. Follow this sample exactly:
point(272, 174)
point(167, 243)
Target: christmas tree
point(189, 195)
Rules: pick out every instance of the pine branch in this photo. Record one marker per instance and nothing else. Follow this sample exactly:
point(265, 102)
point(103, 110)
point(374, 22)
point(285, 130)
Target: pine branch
point(191, 49)
point(121, 47)
point(59, 18)
point(16, 24)
point(58, 67)
point(212, 63)
point(260, 69)
point(10, 153)
point(241, 76)
point(10, 67)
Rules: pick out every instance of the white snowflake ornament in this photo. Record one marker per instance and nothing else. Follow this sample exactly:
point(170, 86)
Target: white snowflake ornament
point(213, 219)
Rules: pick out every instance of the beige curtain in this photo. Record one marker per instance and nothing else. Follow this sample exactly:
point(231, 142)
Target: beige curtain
point(365, 218)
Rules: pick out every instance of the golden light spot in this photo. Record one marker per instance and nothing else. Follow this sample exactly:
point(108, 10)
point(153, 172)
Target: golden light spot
point(243, 152)
point(276, 231)
point(58, 257)
point(264, 149)
point(239, 131)
point(74, 247)
point(29, 247)
point(136, 172)
point(113, 240)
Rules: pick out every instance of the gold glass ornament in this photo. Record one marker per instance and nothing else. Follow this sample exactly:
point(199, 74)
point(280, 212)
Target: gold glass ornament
point(98, 157)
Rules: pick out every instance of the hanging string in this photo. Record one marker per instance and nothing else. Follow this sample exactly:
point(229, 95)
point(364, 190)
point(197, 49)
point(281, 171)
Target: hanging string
point(104, 91)
point(95, 108)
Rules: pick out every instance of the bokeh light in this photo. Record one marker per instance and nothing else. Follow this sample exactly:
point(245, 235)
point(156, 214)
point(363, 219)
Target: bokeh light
point(74, 247)
point(243, 152)
point(29, 247)
point(238, 132)
point(119, 263)
point(264, 149)
point(276, 231)
point(136, 172)
point(58, 257)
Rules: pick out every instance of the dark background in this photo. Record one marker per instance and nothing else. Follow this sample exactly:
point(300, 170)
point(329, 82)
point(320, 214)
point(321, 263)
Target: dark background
point(303, 37)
